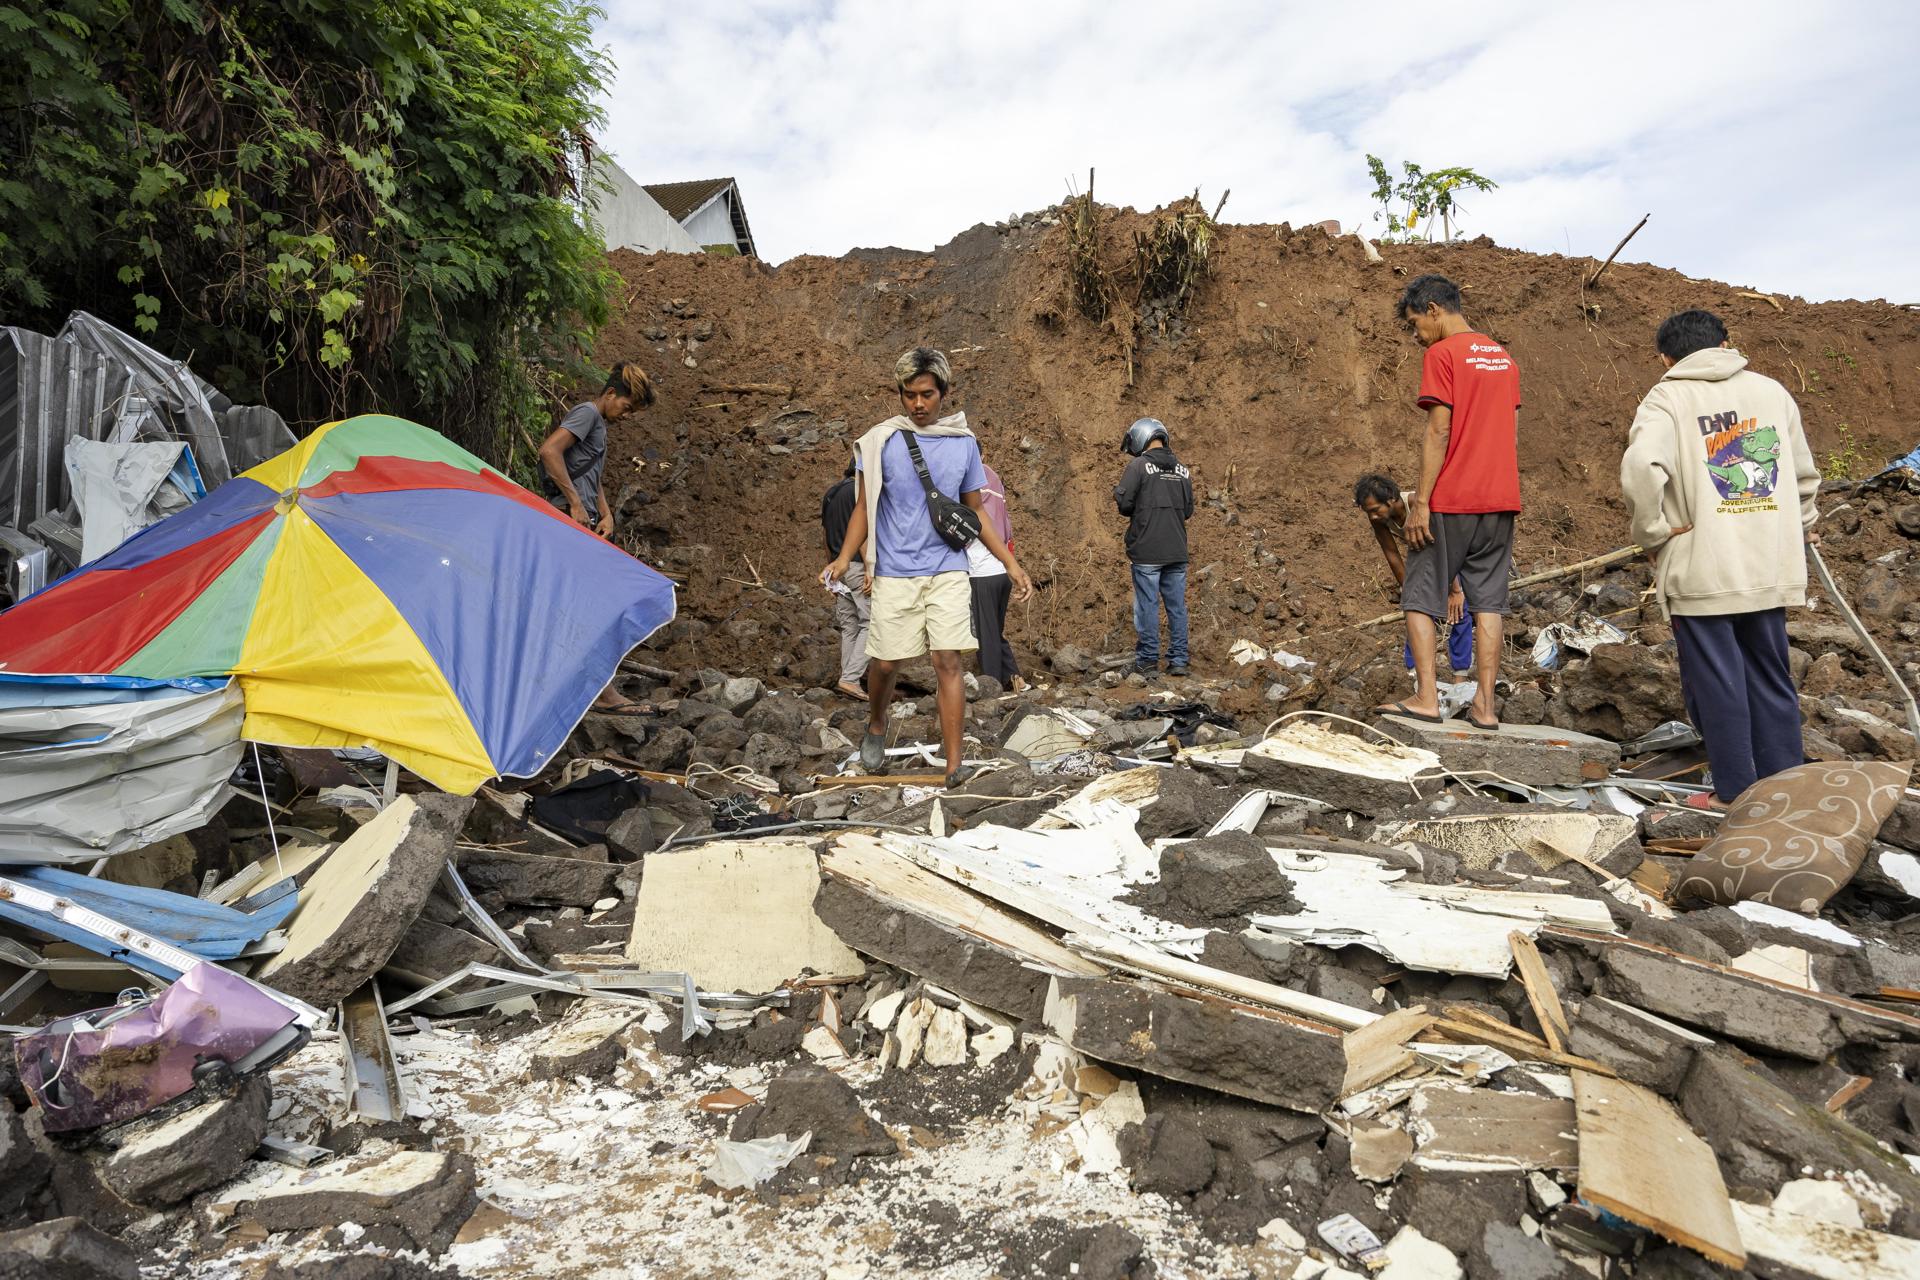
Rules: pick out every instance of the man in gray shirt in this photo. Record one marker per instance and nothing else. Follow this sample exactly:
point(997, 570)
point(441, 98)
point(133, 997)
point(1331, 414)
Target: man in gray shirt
point(575, 452)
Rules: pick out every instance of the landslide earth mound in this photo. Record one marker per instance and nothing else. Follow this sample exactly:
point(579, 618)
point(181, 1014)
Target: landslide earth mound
point(1287, 377)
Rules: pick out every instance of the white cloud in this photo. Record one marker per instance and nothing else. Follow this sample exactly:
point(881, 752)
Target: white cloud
point(1772, 141)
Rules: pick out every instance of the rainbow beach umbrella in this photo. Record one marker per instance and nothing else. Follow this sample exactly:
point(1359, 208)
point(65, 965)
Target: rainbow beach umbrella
point(375, 585)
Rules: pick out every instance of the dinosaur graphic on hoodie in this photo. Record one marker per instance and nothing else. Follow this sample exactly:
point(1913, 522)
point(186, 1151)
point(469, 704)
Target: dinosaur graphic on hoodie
point(1747, 466)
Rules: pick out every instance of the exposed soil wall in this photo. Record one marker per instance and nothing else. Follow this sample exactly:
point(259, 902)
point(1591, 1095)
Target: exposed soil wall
point(1287, 378)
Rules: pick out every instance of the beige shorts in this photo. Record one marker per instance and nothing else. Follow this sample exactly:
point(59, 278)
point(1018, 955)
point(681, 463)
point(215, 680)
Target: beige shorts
point(913, 615)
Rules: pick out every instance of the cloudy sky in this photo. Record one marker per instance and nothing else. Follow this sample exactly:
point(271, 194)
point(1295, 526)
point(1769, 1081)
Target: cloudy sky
point(1773, 143)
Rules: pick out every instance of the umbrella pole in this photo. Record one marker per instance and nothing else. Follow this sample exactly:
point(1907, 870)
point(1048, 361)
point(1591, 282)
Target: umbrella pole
point(1859, 629)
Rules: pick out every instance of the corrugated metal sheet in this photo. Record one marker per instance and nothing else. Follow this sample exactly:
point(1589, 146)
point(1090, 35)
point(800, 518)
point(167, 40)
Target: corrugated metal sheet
point(168, 385)
point(50, 391)
point(96, 383)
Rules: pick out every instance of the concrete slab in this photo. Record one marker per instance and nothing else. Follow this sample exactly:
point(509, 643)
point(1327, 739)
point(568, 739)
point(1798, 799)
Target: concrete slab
point(164, 1163)
point(1647, 1050)
point(1214, 1043)
point(362, 899)
point(1535, 754)
point(536, 879)
point(408, 1199)
point(1344, 770)
point(1764, 1015)
point(589, 1040)
point(737, 915)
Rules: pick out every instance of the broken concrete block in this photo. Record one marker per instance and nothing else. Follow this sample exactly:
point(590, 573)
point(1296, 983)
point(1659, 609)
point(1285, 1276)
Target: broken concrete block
point(1536, 755)
point(1411, 1255)
point(968, 966)
point(536, 879)
point(1731, 1004)
point(1268, 1057)
point(1223, 877)
point(165, 1162)
point(1781, 1246)
point(65, 1249)
point(737, 915)
point(1450, 1207)
point(812, 1099)
point(884, 906)
point(1167, 1154)
point(429, 952)
point(1763, 1136)
point(1185, 802)
point(23, 1169)
point(1643, 1048)
point(363, 898)
point(408, 1199)
point(589, 1040)
point(1343, 770)
point(1821, 1199)
point(1505, 1252)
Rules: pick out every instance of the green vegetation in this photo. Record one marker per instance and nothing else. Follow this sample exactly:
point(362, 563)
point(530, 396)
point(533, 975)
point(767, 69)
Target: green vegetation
point(328, 205)
point(1845, 458)
point(1421, 196)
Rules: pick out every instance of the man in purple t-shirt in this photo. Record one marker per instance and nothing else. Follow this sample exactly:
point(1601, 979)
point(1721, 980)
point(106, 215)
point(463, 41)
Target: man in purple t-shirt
point(922, 598)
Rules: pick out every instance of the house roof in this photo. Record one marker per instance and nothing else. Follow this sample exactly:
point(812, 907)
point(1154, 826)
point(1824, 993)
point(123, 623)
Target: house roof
point(682, 200)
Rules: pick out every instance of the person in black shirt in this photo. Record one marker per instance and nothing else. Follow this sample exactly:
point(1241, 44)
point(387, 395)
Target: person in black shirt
point(851, 605)
point(1155, 493)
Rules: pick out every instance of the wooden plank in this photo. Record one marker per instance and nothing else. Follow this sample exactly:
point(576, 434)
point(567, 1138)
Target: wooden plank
point(1378, 1051)
point(1540, 991)
point(1639, 1159)
point(1517, 1043)
point(1477, 1130)
point(1853, 1088)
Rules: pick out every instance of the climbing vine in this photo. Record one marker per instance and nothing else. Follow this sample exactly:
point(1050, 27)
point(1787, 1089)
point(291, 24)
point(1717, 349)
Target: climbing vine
point(329, 205)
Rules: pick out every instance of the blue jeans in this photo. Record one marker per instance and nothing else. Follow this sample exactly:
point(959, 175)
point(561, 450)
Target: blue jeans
point(1153, 583)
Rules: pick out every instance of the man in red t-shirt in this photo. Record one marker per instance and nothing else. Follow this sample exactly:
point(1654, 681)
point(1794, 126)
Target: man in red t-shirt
point(1460, 519)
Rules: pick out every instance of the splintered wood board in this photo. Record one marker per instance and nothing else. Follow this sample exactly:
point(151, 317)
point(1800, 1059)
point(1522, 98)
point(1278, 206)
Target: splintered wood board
point(1484, 1129)
point(1642, 1161)
point(737, 915)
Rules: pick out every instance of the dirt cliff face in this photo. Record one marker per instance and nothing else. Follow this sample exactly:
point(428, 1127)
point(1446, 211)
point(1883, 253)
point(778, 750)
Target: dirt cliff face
point(1287, 377)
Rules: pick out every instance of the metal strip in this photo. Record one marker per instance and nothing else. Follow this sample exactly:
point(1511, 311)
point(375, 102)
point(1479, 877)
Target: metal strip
point(132, 941)
point(489, 927)
point(374, 1090)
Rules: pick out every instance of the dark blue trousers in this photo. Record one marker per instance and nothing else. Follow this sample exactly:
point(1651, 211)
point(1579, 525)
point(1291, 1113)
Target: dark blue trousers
point(1740, 695)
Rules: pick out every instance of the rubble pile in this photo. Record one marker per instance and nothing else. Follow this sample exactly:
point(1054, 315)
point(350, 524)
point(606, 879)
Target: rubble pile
point(1167, 990)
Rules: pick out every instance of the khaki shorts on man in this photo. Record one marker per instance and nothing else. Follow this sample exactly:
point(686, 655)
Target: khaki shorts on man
point(912, 616)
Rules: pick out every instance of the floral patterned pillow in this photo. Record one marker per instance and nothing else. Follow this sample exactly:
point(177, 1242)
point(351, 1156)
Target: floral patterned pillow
point(1795, 839)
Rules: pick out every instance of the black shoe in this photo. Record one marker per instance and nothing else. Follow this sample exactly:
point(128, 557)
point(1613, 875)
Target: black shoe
point(1178, 669)
point(1148, 669)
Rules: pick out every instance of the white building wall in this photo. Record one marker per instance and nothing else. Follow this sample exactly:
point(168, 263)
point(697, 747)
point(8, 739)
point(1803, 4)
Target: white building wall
point(713, 224)
point(629, 218)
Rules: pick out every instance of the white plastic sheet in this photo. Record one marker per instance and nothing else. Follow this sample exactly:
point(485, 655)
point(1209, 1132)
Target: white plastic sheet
point(738, 1166)
point(80, 782)
point(121, 489)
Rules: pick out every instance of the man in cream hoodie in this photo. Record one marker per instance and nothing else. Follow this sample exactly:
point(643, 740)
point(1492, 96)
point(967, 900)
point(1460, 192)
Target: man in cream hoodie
point(1720, 483)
